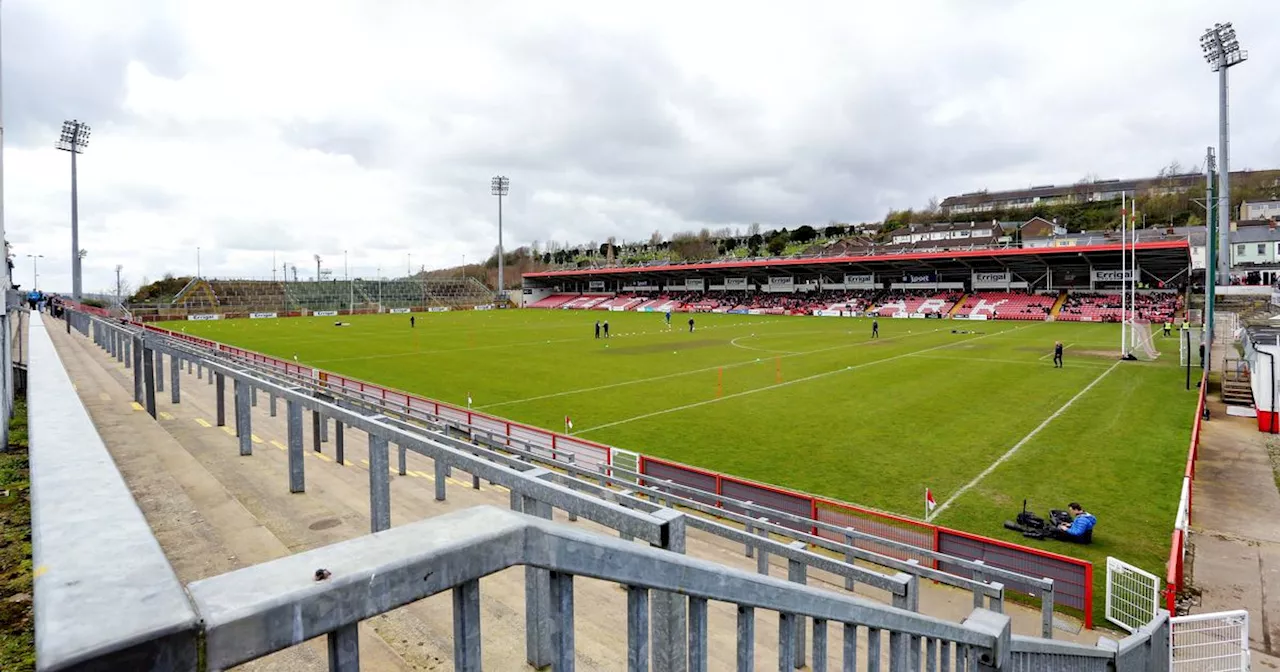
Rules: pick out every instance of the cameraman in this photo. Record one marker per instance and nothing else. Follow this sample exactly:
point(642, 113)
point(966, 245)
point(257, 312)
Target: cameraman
point(1080, 529)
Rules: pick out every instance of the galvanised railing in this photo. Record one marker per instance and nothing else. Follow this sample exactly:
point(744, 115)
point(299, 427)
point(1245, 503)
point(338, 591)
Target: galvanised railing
point(137, 616)
point(981, 578)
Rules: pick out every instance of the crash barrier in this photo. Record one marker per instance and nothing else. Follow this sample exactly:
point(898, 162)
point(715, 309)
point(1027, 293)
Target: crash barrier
point(1050, 578)
point(1174, 569)
point(139, 616)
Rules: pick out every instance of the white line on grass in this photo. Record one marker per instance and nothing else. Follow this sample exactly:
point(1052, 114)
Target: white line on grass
point(1073, 365)
point(687, 373)
point(992, 467)
point(778, 385)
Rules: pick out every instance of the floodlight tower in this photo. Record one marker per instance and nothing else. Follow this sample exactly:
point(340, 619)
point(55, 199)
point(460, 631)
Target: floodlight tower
point(499, 186)
point(74, 138)
point(35, 271)
point(317, 269)
point(1222, 50)
point(119, 267)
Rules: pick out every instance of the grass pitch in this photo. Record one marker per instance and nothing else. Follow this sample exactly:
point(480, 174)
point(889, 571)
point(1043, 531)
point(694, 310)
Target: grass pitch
point(813, 404)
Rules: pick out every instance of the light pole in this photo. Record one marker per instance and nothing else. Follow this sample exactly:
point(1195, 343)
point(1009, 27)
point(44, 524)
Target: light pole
point(379, 290)
point(35, 271)
point(74, 138)
point(119, 267)
point(197, 262)
point(351, 289)
point(1222, 50)
point(499, 186)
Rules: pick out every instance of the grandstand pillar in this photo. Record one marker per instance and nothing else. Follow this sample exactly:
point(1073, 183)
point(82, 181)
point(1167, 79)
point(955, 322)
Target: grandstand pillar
point(175, 378)
point(668, 610)
point(159, 371)
point(316, 422)
point(537, 595)
point(219, 392)
point(297, 475)
point(243, 420)
point(149, 381)
point(379, 484)
point(337, 430)
point(796, 574)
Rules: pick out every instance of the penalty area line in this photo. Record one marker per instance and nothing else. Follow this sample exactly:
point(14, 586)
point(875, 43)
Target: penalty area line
point(1008, 454)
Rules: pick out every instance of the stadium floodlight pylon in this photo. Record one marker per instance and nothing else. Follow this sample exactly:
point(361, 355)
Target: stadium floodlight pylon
point(499, 186)
point(1222, 51)
point(74, 139)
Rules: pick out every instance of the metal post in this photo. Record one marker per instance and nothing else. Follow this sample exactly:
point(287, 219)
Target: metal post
point(537, 598)
point(762, 557)
point(149, 382)
point(669, 615)
point(403, 466)
point(442, 475)
point(236, 400)
point(220, 394)
point(243, 419)
point(139, 394)
point(315, 430)
point(697, 634)
point(324, 430)
point(561, 585)
point(175, 379)
point(379, 484)
point(637, 629)
point(344, 649)
point(1224, 179)
point(159, 371)
point(820, 646)
point(746, 638)
point(466, 627)
point(75, 231)
point(337, 429)
point(796, 573)
point(272, 398)
point(297, 475)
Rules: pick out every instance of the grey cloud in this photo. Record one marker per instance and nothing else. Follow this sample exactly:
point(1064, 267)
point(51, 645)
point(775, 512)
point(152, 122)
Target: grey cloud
point(54, 73)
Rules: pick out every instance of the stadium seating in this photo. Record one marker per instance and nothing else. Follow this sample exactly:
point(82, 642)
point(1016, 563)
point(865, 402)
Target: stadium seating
point(553, 301)
point(1008, 305)
point(921, 302)
point(1155, 307)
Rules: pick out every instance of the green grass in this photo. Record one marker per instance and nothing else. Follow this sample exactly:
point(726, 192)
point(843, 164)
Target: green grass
point(872, 422)
point(17, 631)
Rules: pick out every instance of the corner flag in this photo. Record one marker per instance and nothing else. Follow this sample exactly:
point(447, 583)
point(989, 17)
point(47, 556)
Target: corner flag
point(468, 400)
point(568, 424)
point(929, 502)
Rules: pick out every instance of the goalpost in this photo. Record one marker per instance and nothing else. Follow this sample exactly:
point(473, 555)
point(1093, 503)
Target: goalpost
point(1189, 346)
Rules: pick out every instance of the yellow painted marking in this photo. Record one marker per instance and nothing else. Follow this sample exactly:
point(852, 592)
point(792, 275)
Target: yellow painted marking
point(202, 422)
point(364, 462)
point(165, 416)
point(324, 457)
point(75, 387)
point(502, 488)
point(104, 396)
point(40, 571)
point(279, 445)
point(229, 430)
point(135, 405)
point(457, 482)
point(256, 438)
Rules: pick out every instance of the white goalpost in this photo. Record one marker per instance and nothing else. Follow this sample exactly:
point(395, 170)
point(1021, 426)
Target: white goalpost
point(1141, 342)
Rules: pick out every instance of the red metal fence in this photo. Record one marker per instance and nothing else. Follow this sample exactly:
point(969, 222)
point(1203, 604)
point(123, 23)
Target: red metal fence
point(1182, 521)
point(1073, 578)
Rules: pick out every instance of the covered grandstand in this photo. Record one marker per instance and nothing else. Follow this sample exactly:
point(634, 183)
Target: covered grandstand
point(1078, 283)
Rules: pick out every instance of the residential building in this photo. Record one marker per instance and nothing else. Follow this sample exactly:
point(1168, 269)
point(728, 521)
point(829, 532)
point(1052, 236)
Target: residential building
point(1260, 210)
point(1085, 192)
point(1255, 244)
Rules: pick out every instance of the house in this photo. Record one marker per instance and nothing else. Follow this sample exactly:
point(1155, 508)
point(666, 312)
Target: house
point(1254, 244)
point(1084, 192)
point(1040, 232)
point(1259, 210)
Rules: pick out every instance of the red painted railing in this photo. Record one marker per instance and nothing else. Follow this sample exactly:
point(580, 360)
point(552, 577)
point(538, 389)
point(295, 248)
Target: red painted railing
point(1174, 574)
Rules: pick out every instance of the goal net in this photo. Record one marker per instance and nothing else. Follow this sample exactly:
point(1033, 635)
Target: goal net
point(1140, 343)
point(1189, 346)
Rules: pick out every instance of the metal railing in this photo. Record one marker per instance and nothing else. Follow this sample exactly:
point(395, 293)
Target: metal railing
point(986, 581)
point(139, 616)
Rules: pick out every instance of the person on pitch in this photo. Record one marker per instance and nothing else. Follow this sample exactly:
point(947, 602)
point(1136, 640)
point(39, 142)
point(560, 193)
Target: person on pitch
point(1057, 354)
point(1080, 529)
point(875, 328)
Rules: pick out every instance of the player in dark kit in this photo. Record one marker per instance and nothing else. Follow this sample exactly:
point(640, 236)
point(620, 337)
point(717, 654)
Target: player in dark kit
point(691, 325)
point(875, 328)
point(606, 328)
point(1057, 355)
point(412, 322)
point(597, 328)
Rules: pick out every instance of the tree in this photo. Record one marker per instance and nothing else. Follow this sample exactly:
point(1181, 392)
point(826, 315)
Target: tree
point(546, 257)
point(754, 229)
point(655, 239)
point(777, 244)
point(755, 241)
point(833, 231)
point(1174, 168)
point(804, 234)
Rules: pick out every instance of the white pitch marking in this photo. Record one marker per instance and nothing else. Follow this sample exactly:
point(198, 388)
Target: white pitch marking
point(687, 373)
point(1050, 353)
point(1019, 444)
point(789, 382)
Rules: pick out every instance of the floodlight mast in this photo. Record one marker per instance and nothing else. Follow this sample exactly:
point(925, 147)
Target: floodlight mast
point(1221, 51)
point(74, 138)
point(499, 186)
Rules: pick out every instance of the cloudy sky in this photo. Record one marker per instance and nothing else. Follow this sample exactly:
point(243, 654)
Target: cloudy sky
point(293, 128)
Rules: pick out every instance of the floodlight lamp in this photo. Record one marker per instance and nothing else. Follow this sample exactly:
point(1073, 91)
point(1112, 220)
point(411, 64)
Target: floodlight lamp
point(500, 185)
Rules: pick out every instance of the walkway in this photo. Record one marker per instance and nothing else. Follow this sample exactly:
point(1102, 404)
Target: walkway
point(213, 511)
point(1236, 528)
